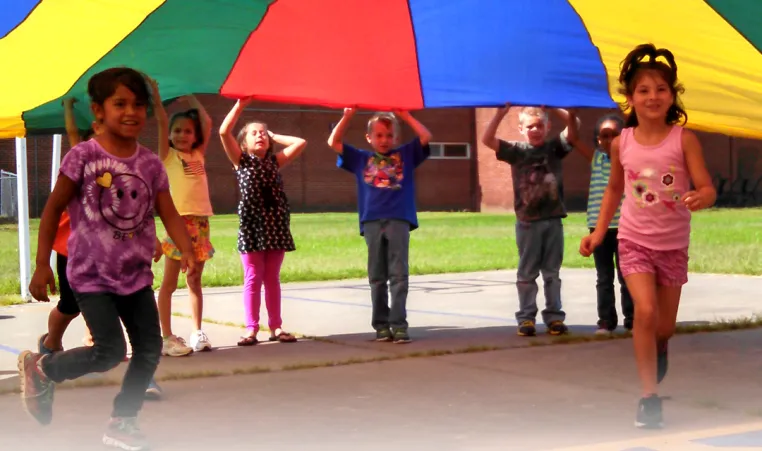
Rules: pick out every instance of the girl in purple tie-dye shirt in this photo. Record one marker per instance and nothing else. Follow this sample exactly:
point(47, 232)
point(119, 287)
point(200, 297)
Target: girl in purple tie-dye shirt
point(111, 187)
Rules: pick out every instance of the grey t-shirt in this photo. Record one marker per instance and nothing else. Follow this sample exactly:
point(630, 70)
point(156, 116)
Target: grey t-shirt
point(537, 179)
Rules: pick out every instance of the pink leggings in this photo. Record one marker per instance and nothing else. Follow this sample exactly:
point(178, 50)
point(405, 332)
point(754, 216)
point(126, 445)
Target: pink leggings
point(262, 267)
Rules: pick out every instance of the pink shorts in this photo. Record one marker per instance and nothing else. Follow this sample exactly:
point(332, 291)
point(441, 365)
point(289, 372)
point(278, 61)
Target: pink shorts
point(670, 267)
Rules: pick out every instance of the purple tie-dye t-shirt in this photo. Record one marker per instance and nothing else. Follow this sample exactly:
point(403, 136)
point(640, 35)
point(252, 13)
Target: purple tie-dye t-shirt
point(112, 218)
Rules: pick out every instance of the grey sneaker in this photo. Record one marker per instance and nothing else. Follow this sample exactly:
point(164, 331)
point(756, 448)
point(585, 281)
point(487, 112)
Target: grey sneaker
point(123, 433)
point(36, 389)
point(41, 345)
point(649, 414)
point(384, 335)
point(401, 336)
point(153, 392)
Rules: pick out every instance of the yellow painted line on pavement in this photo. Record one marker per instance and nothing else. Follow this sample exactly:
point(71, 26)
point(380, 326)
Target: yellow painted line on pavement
point(682, 441)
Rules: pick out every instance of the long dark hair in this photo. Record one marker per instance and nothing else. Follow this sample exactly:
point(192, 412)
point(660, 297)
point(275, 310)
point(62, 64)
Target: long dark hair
point(641, 59)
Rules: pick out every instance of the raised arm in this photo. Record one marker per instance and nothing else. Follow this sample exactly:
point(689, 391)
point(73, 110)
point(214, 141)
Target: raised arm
point(336, 140)
point(229, 143)
point(571, 132)
point(424, 135)
point(162, 122)
point(206, 121)
point(71, 124)
point(294, 147)
point(585, 150)
point(489, 138)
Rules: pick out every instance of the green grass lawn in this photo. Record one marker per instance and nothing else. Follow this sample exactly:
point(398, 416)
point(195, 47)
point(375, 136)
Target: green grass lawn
point(330, 247)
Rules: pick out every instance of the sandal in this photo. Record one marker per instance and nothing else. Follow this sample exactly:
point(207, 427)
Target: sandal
point(248, 341)
point(283, 337)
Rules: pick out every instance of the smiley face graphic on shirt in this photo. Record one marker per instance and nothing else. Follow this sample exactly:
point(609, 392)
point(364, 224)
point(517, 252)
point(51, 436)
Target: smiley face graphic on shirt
point(124, 200)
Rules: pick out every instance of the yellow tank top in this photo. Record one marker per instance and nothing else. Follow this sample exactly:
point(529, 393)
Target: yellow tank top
point(187, 183)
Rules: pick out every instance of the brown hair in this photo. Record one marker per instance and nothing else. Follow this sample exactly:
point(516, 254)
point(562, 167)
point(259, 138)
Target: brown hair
point(644, 58)
point(388, 119)
point(193, 115)
point(241, 138)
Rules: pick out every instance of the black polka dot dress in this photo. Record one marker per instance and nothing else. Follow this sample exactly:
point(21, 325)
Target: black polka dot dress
point(263, 210)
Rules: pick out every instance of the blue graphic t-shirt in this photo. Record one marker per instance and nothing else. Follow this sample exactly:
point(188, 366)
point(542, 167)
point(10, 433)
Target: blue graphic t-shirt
point(385, 183)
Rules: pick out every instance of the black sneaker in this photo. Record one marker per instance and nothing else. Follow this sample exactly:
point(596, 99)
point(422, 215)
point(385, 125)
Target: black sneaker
point(649, 413)
point(36, 389)
point(384, 335)
point(401, 336)
point(628, 324)
point(527, 329)
point(662, 362)
point(123, 433)
point(557, 328)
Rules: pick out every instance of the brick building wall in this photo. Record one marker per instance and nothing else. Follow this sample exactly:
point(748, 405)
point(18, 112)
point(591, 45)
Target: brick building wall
point(727, 157)
point(313, 182)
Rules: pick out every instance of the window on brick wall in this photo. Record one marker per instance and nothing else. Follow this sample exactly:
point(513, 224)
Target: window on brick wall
point(450, 151)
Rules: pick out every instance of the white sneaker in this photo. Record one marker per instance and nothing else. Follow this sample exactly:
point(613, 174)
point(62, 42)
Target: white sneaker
point(175, 346)
point(200, 342)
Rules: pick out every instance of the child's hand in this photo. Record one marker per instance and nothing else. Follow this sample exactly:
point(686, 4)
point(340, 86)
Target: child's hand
point(349, 112)
point(242, 103)
point(69, 101)
point(694, 200)
point(157, 251)
point(188, 263)
point(42, 279)
point(589, 244)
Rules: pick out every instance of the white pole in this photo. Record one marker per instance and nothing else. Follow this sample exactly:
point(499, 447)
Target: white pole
point(55, 165)
point(22, 186)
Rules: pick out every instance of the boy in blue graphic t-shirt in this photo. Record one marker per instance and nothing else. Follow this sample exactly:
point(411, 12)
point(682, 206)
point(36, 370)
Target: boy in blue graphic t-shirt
point(386, 207)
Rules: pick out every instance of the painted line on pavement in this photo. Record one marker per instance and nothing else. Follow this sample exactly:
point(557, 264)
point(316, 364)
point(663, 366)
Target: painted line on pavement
point(427, 312)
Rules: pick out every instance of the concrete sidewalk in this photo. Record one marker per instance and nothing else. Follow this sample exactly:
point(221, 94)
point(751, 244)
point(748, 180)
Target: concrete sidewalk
point(466, 382)
point(561, 397)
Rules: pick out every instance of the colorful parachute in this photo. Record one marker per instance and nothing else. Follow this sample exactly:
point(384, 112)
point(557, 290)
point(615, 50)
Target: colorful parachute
point(407, 54)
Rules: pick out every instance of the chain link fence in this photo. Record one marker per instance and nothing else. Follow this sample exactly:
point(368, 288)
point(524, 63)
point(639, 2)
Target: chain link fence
point(8, 197)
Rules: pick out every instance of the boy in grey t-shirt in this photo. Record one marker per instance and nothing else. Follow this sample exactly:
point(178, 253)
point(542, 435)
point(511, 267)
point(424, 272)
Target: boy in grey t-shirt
point(539, 206)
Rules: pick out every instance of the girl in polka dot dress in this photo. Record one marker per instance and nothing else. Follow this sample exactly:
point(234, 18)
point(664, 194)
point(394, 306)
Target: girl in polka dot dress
point(264, 234)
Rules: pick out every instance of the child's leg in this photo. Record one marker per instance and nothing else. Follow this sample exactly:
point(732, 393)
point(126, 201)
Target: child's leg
point(643, 288)
point(196, 296)
point(102, 317)
point(198, 229)
point(253, 273)
point(628, 308)
point(639, 272)
point(140, 316)
point(378, 275)
point(552, 258)
point(398, 236)
point(273, 263)
point(672, 274)
point(168, 287)
point(529, 242)
point(172, 345)
point(63, 313)
point(604, 286)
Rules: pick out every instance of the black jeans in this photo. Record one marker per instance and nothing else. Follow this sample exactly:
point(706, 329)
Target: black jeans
point(606, 258)
point(103, 314)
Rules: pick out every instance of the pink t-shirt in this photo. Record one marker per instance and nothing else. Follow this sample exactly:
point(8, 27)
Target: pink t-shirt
point(112, 218)
point(655, 178)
